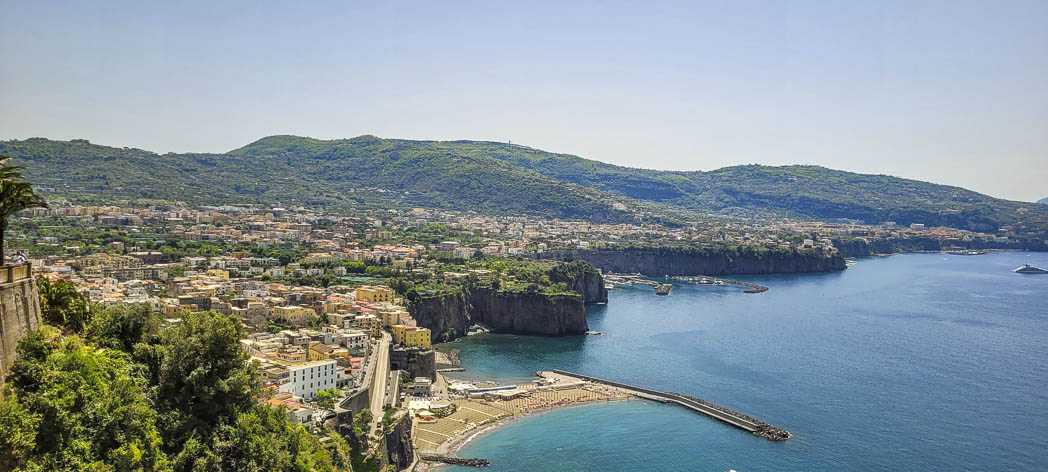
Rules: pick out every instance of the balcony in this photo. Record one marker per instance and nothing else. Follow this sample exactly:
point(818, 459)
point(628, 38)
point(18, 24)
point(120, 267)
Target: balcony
point(14, 273)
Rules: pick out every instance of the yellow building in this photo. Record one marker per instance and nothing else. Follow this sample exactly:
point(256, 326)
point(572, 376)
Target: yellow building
point(296, 315)
point(218, 273)
point(375, 294)
point(393, 316)
point(399, 331)
point(412, 336)
point(418, 337)
point(319, 351)
point(370, 323)
point(177, 311)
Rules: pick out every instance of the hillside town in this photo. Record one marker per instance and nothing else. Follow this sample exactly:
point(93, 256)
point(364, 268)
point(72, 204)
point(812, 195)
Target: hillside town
point(313, 289)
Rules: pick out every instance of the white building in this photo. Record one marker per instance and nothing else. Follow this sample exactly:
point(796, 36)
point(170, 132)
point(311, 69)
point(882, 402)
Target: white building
point(354, 340)
point(305, 379)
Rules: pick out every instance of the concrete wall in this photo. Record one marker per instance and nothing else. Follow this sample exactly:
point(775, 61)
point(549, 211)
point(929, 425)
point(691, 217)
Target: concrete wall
point(19, 313)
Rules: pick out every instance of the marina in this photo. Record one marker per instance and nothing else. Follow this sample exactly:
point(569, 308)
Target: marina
point(616, 280)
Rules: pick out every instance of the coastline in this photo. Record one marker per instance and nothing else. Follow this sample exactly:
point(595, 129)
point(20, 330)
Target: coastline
point(454, 446)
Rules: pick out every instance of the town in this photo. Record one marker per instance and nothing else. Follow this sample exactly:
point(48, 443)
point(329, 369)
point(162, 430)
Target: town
point(325, 300)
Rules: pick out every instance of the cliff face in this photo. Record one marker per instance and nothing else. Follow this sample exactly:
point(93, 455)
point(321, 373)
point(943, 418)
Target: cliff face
point(502, 312)
point(513, 312)
point(657, 263)
point(19, 313)
point(415, 362)
point(863, 247)
point(442, 312)
point(528, 313)
point(399, 451)
point(582, 278)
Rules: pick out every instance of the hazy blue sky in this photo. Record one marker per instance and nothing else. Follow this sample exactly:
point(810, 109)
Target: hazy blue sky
point(952, 92)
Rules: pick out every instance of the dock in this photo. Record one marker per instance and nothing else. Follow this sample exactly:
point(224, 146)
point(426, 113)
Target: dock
point(698, 405)
point(707, 280)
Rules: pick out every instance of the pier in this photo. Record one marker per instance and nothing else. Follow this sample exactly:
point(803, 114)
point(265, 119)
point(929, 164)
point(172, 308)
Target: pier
point(698, 405)
point(707, 280)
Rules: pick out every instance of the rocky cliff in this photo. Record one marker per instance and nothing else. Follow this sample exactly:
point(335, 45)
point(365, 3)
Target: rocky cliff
point(659, 262)
point(860, 247)
point(514, 312)
point(442, 312)
point(501, 312)
point(398, 449)
point(582, 278)
point(528, 313)
point(19, 313)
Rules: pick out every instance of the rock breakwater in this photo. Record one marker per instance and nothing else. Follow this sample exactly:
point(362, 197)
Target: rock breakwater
point(455, 460)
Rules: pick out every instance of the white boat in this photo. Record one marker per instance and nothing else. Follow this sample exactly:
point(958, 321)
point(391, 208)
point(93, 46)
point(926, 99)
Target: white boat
point(1029, 269)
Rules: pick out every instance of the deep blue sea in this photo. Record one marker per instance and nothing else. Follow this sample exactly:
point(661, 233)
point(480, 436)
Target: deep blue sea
point(910, 362)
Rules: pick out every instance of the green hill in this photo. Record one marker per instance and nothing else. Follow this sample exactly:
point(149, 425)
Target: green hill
point(503, 178)
point(292, 170)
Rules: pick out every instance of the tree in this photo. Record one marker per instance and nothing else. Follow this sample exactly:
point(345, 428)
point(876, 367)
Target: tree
point(203, 377)
point(326, 398)
point(121, 326)
point(74, 407)
point(448, 334)
point(265, 439)
point(61, 305)
point(15, 195)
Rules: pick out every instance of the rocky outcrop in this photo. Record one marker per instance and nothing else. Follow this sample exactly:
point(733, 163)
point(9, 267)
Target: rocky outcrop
point(659, 262)
point(582, 278)
point(501, 312)
point(441, 312)
point(470, 462)
point(19, 314)
point(514, 312)
point(528, 313)
point(399, 450)
point(414, 362)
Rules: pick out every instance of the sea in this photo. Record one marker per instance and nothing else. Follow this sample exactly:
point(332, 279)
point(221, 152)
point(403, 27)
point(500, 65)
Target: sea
point(929, 362)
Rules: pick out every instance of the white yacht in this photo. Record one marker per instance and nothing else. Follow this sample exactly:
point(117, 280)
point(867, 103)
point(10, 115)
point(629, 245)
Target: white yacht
point(1029, 269)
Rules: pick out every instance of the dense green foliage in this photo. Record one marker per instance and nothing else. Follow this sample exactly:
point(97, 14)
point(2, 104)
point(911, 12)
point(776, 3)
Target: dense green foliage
point(504, 178)
point(126, 395)
point(61, 305)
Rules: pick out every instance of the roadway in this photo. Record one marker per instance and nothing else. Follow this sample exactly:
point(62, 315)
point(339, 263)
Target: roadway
point(380, 381)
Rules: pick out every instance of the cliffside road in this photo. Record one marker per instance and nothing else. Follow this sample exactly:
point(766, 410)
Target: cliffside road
point(381, 381)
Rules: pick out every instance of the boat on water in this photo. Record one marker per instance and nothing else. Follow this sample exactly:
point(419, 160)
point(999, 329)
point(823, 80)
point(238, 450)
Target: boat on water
point(1029, 269)
point(663, 289)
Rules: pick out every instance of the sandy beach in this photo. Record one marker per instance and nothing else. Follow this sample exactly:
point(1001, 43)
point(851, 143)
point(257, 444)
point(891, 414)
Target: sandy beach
point(539, 401)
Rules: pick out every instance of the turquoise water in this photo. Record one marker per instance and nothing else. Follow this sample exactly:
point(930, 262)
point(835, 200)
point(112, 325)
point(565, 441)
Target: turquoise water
point(913, 362)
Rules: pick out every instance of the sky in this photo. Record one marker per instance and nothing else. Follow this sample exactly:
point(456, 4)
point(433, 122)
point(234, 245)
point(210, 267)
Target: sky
point(952, 92)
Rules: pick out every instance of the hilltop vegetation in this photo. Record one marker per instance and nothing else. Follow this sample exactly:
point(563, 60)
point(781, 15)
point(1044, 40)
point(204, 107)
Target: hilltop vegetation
point(502, 178)
point(121, 394)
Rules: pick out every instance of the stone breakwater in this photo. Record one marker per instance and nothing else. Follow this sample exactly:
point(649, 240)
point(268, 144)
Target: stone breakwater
point(698, 405)
point(763, 430)
point(455, 460)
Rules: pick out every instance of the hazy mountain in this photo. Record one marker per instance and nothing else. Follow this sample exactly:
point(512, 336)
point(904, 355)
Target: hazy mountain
point(505, 178)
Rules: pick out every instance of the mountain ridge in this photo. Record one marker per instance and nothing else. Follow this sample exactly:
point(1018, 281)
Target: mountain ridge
point(489, 176)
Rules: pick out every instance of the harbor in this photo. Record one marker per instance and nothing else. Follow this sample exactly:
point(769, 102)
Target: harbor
point(614, 281)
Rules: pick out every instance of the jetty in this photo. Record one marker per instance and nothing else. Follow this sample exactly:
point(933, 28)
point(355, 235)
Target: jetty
point(707, 280)
point(455, 460)
point(698, 405)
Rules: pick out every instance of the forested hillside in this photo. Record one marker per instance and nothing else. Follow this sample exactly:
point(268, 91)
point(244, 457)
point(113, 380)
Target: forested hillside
point(502, 178)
